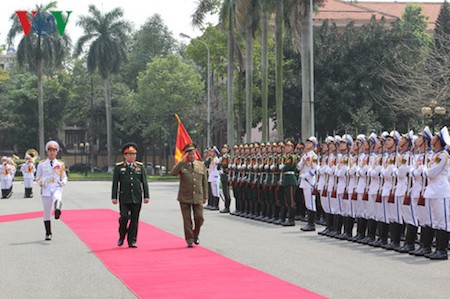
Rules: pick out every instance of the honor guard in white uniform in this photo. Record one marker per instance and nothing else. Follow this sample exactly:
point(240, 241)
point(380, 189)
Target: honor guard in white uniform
point(28, 169)
point(51, 176)
point(214, 177)
point(360, 205)
point(322, 185)
point(7, 172)
point(438, 193)
point(307, 168)
point(333, 162)
point(421, 206)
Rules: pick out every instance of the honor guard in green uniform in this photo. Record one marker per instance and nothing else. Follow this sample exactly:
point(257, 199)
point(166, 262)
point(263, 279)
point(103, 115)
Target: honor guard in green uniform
point(193, 192)
point(279, 198)
point(225, 165)
point(130, 182)
point(288, 182)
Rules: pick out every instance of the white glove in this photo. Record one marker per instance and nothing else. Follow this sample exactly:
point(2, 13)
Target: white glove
point(239, 167)
point(272, 167)
point(281, 166)
point(303, 176)
point(266, 166)
point(249, 167)
point(255, 166)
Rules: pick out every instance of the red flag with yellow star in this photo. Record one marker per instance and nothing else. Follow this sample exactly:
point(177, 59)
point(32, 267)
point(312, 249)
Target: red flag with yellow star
point(183, 138)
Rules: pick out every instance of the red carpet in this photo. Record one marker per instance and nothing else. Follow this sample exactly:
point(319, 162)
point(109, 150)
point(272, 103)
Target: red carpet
point(162, 266)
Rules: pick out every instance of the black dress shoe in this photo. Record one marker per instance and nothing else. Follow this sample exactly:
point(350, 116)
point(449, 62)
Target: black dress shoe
point(48, 237)
point(57, 213)
point(120, 242)
point(132, 245)
point(288, 223)
point(225, 210)
point(197, 241)
point(309, 228)
point(189, 245)
point(439, 255)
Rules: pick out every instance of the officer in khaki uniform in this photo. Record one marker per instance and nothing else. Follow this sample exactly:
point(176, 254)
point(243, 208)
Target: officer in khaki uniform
point(193, 192)
point(130, 181)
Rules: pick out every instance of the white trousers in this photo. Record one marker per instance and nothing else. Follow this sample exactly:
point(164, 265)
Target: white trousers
point(48, 203)
point(370, 207)
point(28, 182)
point(346, 205)
point(310, 200)
point(440, 213)
point(380, 211)
point(215, 188)
point(325, 201)
point(423, 213)
point(409, 212)
point(6, 183)
point(393, 209)
point(334, 205)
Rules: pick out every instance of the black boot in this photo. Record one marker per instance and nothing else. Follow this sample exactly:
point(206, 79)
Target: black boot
point(410, 238)
point(371, 232)
point(57, 207)
point(396, 232)
point(343, 235)
point(349, 228)
point(337, 227)
point(310, 226)
point(8, 192)
point(426, 238)
point(48, 230)
point(360, 230)
point(291, 218)
point(26, 193)
point(441, 246)
point(328, 225)
point(383, 235)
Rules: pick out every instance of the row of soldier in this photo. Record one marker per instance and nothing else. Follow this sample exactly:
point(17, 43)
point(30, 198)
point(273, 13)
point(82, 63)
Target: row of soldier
point(382, 183)
point(8, 170)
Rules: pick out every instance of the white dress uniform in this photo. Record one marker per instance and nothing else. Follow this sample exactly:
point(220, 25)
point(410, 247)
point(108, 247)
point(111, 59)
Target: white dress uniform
point(402, 186)
point(307, 167)
point(214, 176)
point(342, 179)
point(388, 174)
point(28, 169)
point(362, 174)
point(348, 205)
point(51, 176)
point(374, 210)
point(7, 172)
point(438, 190)
point(421, 212)
point(332, 183)
point(322, 184)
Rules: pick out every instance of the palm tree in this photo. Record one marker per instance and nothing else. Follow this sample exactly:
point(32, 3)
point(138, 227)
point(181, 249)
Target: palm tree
point(247, 17)
point(266, 8)
point(42, 54)
point(279, 25)
point(107, 35)
point(227, 18)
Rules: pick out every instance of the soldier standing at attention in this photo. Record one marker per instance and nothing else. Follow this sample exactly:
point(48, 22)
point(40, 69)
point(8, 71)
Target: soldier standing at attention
point(130, 181)
point(225, 161)
point(193, 192)
point(51, 176)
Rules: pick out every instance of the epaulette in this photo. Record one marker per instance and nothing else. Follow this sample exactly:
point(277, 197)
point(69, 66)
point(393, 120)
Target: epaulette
point(139, 163)
point(60, 161)
point(119, 163)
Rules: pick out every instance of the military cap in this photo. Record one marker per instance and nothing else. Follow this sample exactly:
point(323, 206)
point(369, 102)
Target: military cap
point(263, 144)
point(329, 139)
point(395, 135)
point(409, 135)
point(338, 138)
point(290, 142)
point(361, 137)
point(236, 146)
point(281, 143)
point(384, 135)
point(274, 144)
point(444, 137)
point(347, 138)
point(256, 145)
point(427, 133)
point(189, 147)
point(52, 144)
point(226, 146)
point(373, 137)
point(313, 139)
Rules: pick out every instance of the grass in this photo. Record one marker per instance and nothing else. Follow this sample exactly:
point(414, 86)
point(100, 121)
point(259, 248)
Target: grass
point(103, 176)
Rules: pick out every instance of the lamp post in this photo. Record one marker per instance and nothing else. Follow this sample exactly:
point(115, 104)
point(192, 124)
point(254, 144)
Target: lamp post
point(208, 121)
point(75, 145)
point(432, 111)
point(82, 152)
point(86, 147)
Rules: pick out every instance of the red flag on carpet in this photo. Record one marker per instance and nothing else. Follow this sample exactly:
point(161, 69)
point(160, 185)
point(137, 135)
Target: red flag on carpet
point(183, 138)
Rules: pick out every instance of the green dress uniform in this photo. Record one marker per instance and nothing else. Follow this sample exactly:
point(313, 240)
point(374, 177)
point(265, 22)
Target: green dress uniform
point(288, 185)
point(192, 194)
point(224, 179)
point(130, 182)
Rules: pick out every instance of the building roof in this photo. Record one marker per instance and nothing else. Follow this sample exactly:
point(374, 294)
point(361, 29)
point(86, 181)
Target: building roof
point(342, 12)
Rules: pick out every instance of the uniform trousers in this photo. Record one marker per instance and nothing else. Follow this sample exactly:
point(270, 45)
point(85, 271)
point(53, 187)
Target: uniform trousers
point(408, 212)
point(393, 209)
point(6, 183)
point(334, 204)
point(346, 205)
point(440, 213)
point(191, 231)
point(129, 211)
point(310, 200)
point(423, 213)
point(370, 209)
point(380, 210)
point(48, 203)
point(325, 202)
point(28, 182)
point(360, 206)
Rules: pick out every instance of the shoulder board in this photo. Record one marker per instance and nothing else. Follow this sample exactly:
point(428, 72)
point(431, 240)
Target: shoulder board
point(119, 163)
point(139, 163)
point(60, 161)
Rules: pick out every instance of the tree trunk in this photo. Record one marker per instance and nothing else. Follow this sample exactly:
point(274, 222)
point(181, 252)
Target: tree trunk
point(39, 71)
point(279, 69)
point(230, 81)
point(307, 78)
point(107, 93)
point(248, 84)
point(264, 75)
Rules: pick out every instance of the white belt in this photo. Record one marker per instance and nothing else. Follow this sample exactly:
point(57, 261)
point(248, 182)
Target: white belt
point(289, 172)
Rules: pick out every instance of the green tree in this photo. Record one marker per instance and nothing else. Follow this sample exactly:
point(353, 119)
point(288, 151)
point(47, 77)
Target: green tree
point(42, 55)
point(442, 29)
point(153, 39)
point(107, 35)
point(168, 86)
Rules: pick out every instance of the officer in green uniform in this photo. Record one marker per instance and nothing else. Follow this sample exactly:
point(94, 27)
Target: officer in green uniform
point(225, 162)
point(129, 181)
point(289, 182)
point(193, 192)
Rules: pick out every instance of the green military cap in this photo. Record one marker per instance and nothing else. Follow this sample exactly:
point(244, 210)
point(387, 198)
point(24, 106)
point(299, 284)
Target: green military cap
point(189, 147)
point(129, 147)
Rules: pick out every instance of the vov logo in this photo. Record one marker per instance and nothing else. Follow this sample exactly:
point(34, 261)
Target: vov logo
point(43, 23)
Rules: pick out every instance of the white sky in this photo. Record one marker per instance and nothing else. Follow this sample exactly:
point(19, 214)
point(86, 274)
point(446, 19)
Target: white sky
point(176, 14)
